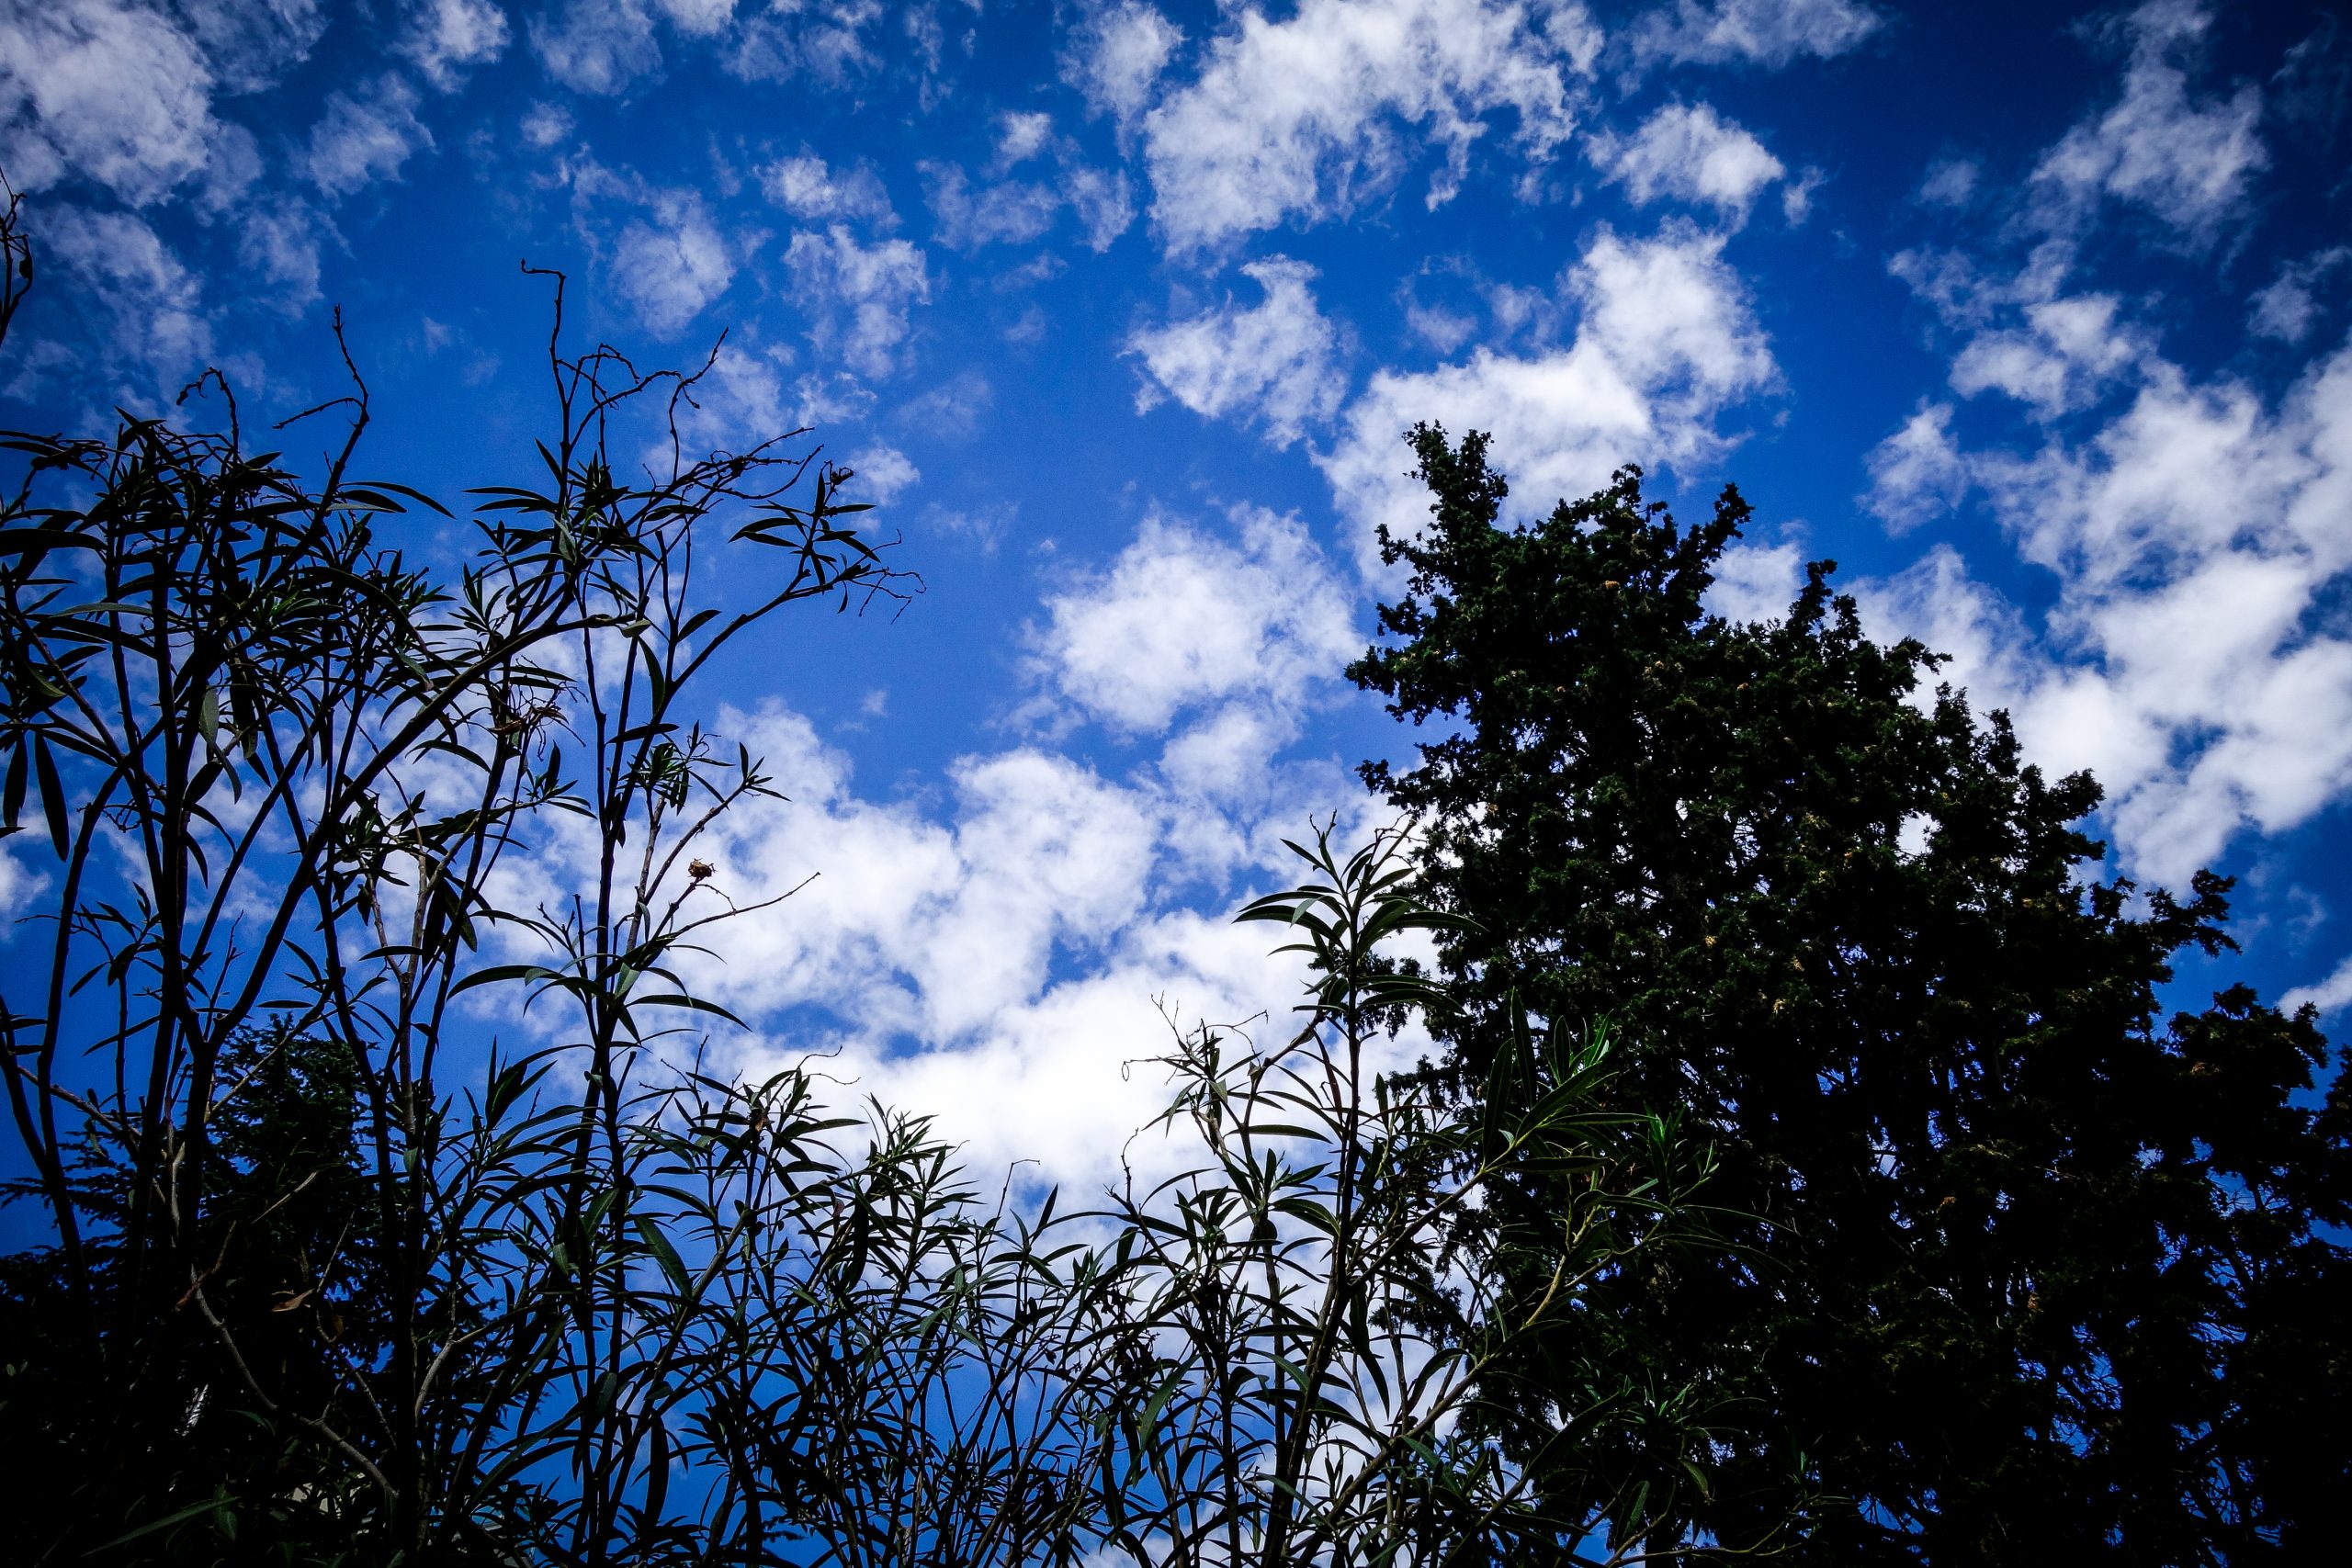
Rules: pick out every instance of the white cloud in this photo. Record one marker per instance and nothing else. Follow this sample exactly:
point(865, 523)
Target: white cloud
point(154, 301)
point(1021, 135)
point(671, 268)
point(544, 125)
point(2187, 160)
point(19, 887)
point(2330, 996)
point(915, 926)
point(1917, 473)
point(1772, 33)
point(1116, 54)
point(1950, 182)
point(278, 243)
point(884, 473)
point(2286, 309)
point(698, 18)
point(812, 192)
point(823, 39)
point(2190, 538)
point(1018, 211)
point(1690, 154)
point(1666, 340)
point(858, 296)
point(2068, 350)
point(445, 37)
point(250, 44)
point(1276, 363)
point(103, 91)
point(1185, 620)
point(1298, 117)
point(361, 139)
point(1009, 212)
point(1755, 582)
point(737, 403)
point(597, 46)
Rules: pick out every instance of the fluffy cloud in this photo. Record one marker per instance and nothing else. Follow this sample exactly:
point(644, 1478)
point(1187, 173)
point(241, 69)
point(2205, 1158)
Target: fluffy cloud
point(2330, 996)
point(1917, 473)
point(1276, 363)
point(2067, 351)
point(884, 473)
point(1298, 117)
point(103, 91)
point(857, 297)
point(1185, 621)
point(2286, 309)
point(2192, 537)
point(1009, 212)
point(1013, 211)
point(597, 46)
point(1755, 582)
point(2185, 159)
point(669, 268)
point(445, 37)
point(812, 192)
point(823, 39)
point(1772, 33)
point(362, 139)
point(1666, 341)
point(1115, 53)
point(1690, 154)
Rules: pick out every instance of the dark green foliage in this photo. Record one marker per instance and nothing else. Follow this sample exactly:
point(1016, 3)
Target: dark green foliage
point(2027, 1270)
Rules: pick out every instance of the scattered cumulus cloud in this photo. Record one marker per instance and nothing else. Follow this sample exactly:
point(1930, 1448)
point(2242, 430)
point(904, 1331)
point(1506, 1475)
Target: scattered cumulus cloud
point(1666, 341)
point(102, 90)
point(365, 138)
point(858, 296)
point(279, 243)
point(884, 473)
point(2287, 309)
point(1187, 619)
point(1770, 33)
point(2066, 352)
point(1917, 473)
point(968, 215)
point(1950, 182)
point(2190, 536)
point(2184, 158)
point(597, 46)
point(827, 40)
point(152, 301)
point(671, 265)
point(1755, 582)
point(811, 190)
point(1301, 118)
point(1115, 53)
point(2332, 994)
point(1688, 152)
point(444, 39)
point(1277, 364)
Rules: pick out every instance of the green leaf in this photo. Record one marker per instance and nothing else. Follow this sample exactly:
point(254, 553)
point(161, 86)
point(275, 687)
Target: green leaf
point(53, 798)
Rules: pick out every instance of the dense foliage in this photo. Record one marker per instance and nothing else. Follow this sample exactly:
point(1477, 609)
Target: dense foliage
point(2030, 1270)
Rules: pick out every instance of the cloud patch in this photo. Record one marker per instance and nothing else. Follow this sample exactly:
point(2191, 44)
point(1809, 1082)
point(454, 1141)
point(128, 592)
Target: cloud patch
point(1277, 364)
point(1300, 119)
point(1688, 153)
point(1666, 341)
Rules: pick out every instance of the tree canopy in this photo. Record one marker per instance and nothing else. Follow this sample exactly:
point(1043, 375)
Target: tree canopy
point(2021, 1265)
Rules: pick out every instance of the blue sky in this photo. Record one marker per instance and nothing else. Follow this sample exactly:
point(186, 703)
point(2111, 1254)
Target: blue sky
point(2034, 317)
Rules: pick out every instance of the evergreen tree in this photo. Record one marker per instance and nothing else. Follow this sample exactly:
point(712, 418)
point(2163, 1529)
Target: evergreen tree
point(2019, 1269)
